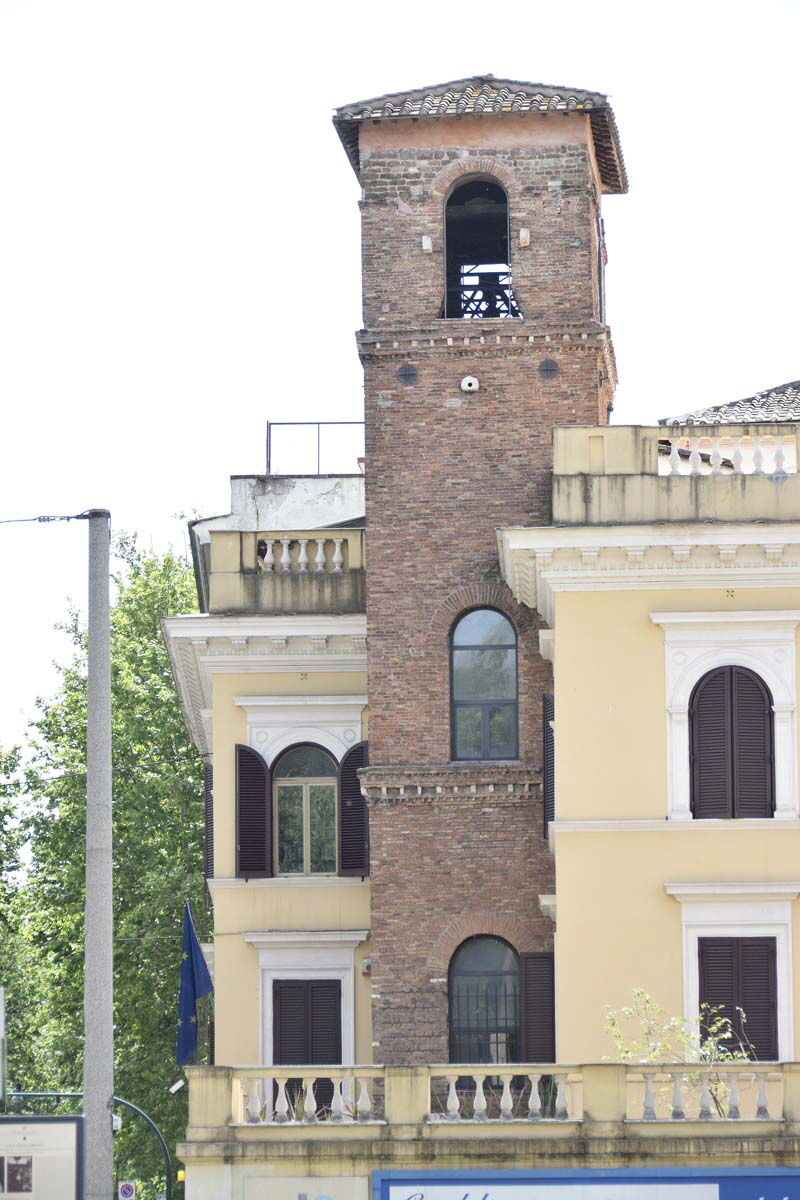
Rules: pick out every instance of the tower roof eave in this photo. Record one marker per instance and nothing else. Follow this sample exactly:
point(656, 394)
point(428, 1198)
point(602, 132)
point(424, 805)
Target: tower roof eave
point(484, 95)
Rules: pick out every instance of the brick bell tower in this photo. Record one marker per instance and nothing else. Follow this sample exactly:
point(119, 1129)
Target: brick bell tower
point(484, 326)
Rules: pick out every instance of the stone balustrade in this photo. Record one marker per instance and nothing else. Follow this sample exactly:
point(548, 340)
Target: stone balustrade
point(533, 1095)
point(710, 452)
point(300, 554)
point(705, 1092)
point(477, 1094)
point(300, 1096)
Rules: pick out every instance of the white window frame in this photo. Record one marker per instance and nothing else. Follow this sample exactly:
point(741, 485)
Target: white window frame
point(307, 954)
point(276, 722)
point(306, 783)
point(739, 910)
point(698, 642)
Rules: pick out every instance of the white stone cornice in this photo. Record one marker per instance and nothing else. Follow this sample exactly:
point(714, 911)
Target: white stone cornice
point(204, 645)
point(539, 562)
point(789, 617)
point(692, 893)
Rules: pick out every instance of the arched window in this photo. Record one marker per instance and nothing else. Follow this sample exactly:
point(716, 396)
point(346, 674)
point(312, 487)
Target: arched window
point(304, 812)
point(484, 1002)
point(305, 816)
point(478, 271)
point(731, 745)
point(483, 673)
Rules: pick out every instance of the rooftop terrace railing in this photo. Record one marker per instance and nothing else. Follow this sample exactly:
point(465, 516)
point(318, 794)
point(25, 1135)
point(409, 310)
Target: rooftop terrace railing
point(315, 447)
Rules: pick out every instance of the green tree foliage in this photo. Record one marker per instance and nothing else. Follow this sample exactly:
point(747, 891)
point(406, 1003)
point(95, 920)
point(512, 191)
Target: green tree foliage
point(158, 814)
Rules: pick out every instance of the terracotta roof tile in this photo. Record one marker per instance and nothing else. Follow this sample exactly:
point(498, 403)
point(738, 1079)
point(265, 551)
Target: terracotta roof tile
point(483, 94)
point(773, 404)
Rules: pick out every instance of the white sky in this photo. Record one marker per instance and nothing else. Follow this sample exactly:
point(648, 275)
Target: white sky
point(179, 253)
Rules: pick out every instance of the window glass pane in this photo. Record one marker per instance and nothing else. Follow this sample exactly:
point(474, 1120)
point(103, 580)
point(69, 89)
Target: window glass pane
point(485, 674)
point(484, 955)
point(305, 762)
point(290, 829)
point(484, 627)
point(323, 828)
point(502, 730)
point(484, 1002)
point(469, 735)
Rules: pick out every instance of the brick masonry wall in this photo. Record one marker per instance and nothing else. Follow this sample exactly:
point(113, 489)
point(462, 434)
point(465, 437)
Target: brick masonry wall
point(551, 192)
point(458, 849)
point(448, 863)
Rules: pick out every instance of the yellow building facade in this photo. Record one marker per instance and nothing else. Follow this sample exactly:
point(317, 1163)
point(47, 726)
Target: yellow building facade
point(582, 780)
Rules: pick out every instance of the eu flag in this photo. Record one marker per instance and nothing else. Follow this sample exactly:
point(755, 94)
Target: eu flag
point(195, 982)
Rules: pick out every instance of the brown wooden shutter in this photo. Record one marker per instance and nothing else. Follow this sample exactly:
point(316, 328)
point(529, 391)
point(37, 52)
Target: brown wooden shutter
point(307, 1022)
point(253, 815)
point(718, 978)
point(710, 740)
point(290, 1022)
point(538, 1007)
point(739, 975)
point(353, 816)
point(548, 760)
point(325, 1032)
point(752, 746)
point(208, 844)
point(758, 992)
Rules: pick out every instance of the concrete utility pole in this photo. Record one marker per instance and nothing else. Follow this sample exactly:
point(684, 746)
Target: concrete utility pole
point(98, 983)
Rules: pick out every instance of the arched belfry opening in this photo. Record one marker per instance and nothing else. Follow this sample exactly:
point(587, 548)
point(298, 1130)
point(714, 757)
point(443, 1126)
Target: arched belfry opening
point(478, 272)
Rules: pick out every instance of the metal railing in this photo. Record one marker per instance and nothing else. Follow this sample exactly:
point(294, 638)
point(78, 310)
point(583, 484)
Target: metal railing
point(315, 447)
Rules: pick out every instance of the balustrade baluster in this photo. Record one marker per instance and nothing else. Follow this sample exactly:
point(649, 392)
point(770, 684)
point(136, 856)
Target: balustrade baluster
point(695, 462)
point(779, 465)
point(309, 1101)
point(269, 558)
point(245, 1100)
point(758, 457)
point(453, 1113)
point(338, 557)
point(319, 557)
point(534, 1100)
point(506, 1103)
point(674, 457)
point(302, 558)
point(364, 1104)
point(649, 1111)
point(337, 1103)
point(716, 456)
point(562, 1113)
point(678, 1113)
point(286, 564)
point(281, 1104)
point(479, 1103)
point(733, 1099)
point(705, 1098)
point(737, 456)
point(762, 1109)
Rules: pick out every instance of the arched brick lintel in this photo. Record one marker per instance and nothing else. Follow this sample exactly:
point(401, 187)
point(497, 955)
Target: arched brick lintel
point(479, 595)
point(471, 925)
point(466, 167)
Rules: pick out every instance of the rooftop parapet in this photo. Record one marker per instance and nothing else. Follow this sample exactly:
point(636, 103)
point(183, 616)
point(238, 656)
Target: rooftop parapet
point(630, 474)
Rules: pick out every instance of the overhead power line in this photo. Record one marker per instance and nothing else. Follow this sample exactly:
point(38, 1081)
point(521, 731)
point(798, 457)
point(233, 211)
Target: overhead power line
point(82, 516)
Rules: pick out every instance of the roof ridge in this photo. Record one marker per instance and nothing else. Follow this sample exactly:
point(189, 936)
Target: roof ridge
point(779, 392)
point(496, 80)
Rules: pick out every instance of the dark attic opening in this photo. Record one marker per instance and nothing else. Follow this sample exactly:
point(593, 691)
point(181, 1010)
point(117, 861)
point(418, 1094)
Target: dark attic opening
point(478, 274)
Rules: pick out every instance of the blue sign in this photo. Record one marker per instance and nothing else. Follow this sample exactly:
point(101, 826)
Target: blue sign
point(668, 1183)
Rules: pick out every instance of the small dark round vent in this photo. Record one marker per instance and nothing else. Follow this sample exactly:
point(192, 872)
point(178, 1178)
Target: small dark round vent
point(548, 369)
point(407, 373)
